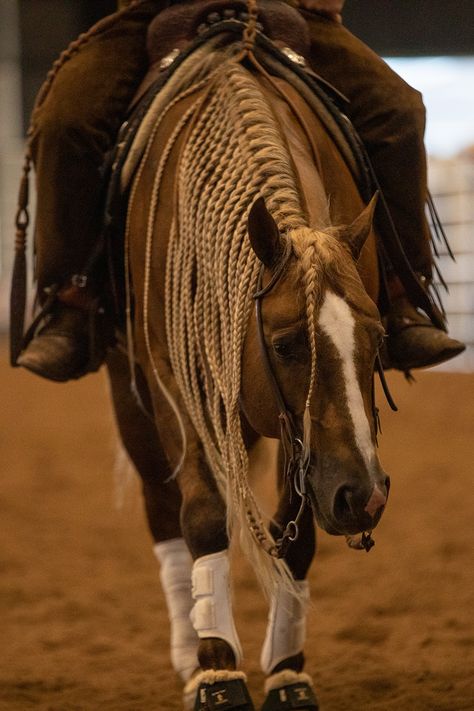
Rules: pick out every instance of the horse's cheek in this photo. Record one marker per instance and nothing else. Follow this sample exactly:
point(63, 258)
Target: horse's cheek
point(257, 399)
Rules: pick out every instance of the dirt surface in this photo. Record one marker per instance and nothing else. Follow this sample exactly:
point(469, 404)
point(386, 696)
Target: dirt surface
point(84, 624)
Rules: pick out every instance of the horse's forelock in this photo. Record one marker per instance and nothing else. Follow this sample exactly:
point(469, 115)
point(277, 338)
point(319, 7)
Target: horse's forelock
point(323, 254)
point(322, 262)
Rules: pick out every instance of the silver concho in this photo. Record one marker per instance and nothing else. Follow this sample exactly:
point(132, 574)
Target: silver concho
point(169, 59)
point(294, 56)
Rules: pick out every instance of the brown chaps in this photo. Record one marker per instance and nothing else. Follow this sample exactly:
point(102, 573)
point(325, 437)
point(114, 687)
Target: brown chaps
point(76, 121)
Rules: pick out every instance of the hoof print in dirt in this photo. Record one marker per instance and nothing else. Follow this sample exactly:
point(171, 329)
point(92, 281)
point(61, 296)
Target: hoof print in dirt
point(290, 690)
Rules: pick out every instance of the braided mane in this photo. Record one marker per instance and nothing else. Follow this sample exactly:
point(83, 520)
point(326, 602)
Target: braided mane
point(233, 153)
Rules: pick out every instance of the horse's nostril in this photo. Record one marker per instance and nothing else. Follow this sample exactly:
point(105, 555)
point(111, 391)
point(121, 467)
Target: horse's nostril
point(342, 503)
point(387, 484)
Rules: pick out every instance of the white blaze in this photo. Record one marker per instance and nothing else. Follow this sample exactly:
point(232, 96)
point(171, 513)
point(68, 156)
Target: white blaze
point(336, 320)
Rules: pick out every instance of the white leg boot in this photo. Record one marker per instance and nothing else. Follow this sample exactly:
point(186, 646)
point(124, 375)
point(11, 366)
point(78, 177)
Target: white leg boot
point(176, 569)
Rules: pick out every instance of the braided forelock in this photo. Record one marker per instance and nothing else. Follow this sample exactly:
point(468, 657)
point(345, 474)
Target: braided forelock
point(314, 250)
point(309, 265)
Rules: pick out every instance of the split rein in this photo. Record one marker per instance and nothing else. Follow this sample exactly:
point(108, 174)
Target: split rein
point(296, 463)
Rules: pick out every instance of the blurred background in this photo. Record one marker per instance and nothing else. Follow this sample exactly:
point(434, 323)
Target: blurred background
point(430, 43)
point(84, 625)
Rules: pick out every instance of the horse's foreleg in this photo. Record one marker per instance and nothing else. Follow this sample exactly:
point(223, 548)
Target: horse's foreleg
point(162, 504)
point(282, 657)
point(140, 438)
point(203, 519)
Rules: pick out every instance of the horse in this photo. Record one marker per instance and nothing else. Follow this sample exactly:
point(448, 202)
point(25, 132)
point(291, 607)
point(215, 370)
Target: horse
point(251, 304)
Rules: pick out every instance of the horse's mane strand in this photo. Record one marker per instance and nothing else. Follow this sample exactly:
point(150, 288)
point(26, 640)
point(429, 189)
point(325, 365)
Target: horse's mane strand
point(233, 153)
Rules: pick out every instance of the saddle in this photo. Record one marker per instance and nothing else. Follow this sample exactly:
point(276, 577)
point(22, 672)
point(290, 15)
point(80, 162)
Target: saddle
point(180, 24)
point(179, 33)
point(176, 38)
point(177, 28)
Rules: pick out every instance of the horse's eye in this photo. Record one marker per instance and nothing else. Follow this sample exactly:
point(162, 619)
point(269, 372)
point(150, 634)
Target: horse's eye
point(283, 349)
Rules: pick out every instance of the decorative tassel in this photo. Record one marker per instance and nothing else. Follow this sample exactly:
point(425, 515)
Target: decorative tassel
point(18, 292)
point(438, 225)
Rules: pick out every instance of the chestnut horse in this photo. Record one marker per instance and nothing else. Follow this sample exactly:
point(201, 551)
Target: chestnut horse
point(241, 202)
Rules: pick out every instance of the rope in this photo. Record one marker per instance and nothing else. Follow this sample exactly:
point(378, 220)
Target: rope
point(250, 32)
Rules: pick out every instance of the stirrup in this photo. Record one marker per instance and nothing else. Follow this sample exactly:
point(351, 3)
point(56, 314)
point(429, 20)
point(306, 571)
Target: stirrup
point(288, 690)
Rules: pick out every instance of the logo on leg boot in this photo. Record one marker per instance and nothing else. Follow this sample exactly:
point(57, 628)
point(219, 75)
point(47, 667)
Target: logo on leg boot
point(220, 697)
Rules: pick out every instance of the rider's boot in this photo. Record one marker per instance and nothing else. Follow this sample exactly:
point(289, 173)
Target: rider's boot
point(413, 341)
point(68, 142)
point(71, 340)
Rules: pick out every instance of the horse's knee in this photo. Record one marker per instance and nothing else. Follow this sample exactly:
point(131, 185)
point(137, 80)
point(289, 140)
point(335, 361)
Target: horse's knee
point(203, 522)
point(140, 439)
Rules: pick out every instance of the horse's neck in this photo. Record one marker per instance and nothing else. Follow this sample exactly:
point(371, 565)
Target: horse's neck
point(311, 187)
point(328, 192)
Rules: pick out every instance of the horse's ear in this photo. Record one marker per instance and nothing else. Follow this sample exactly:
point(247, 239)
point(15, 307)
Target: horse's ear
point(355, 235)
point(264, 234)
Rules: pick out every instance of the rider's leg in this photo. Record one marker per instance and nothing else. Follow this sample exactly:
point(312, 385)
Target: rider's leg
point(74, 123)
point(389, 116)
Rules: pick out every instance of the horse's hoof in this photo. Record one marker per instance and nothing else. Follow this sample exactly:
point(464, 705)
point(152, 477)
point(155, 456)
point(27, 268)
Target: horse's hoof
point(289, 690)
point(218, 690)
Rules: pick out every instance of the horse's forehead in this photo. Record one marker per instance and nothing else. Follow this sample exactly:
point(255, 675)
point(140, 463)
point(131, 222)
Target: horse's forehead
point(336, 319)
point(344, 320)
point(286, 303)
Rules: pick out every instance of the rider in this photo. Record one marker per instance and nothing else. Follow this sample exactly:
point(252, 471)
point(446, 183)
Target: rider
point(76, 120)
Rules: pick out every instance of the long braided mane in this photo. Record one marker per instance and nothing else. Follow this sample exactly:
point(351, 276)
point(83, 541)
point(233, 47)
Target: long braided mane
point(234, 152)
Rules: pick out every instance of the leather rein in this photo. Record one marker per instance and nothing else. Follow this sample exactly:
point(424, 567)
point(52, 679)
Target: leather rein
point(296, 463)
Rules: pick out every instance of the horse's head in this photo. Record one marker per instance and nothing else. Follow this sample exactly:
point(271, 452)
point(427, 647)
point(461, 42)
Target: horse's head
point(321, 333)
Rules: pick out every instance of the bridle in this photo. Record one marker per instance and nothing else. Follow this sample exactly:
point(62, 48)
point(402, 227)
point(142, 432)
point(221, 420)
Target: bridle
point(296, 462)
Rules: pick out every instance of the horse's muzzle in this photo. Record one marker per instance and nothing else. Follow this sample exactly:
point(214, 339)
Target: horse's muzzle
point(353, 508)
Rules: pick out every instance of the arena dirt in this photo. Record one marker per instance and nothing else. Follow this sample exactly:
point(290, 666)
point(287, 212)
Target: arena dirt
point(84, 626)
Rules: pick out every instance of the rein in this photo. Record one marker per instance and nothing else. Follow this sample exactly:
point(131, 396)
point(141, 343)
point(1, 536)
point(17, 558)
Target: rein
point(296, 464)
